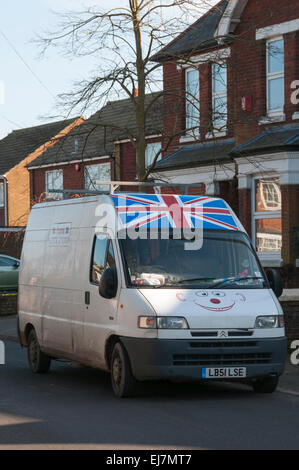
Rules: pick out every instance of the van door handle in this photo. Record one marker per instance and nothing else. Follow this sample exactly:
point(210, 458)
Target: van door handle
point(87, 298)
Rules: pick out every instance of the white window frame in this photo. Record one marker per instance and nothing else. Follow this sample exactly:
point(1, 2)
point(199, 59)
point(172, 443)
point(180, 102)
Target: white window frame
point(215, 95)
point(53, 195)
point(270, 256)
point(192, 100)
point(147, 162)
point(279, 112)
point(101, 187)
point(1, 194)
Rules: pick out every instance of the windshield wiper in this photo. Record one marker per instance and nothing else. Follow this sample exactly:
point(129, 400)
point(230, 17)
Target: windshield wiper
point(206, 279)
point(237, 279)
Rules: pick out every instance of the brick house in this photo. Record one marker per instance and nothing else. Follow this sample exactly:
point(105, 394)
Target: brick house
point(101, 148)
point(17, 150)
point(242, 58)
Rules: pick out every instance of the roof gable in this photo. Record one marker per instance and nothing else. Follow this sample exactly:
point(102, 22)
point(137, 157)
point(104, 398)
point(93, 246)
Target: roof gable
point(199, 36)
point(96, 136)
point(20, 143)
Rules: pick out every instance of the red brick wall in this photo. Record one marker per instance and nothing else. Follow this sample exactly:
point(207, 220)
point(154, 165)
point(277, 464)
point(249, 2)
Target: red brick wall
point(290, 223)
point(249, 62)
point(174, 105)
point(246, 75)
point(127, 161)
point(72, 179)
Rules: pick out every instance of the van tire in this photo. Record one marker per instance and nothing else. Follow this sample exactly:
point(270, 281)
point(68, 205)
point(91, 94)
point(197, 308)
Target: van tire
point(265, 385)
point(123, 382)
point(39, 362)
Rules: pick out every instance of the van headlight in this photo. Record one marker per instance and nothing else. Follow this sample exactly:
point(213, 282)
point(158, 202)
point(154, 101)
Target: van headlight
point(269, 321)
point(166, 323)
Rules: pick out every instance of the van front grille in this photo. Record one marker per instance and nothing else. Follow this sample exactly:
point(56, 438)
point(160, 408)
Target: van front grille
point(214, 334)
point(224, 344)
point(208, 360)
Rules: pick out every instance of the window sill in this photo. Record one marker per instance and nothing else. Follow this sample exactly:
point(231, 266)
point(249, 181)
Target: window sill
point(190, 138)
point(272, 118)
point(212, 135)
point(295, 115)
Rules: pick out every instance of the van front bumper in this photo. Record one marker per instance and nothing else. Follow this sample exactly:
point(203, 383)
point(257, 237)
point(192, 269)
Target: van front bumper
point(157, 359)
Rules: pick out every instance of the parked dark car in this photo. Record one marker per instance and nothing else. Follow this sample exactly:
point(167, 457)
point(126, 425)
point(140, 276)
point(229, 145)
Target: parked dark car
point(9, 273)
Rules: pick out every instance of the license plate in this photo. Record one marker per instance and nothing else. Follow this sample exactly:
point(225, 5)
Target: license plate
point(223, 372)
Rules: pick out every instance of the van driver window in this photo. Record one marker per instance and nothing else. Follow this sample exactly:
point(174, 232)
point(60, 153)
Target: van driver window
point(102, 258)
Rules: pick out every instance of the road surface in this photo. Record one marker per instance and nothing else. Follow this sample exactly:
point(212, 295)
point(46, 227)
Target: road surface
point(74, 408)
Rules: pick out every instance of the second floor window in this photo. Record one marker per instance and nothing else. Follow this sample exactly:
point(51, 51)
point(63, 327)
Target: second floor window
point(275, 77)
point(219, 96)
point(94, 173)
point(54, 180)
point(192, 101)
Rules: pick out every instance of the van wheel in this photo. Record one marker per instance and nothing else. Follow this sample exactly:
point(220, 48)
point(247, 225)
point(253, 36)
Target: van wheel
point(122, 379)
point(266, 385)
point(39, 363)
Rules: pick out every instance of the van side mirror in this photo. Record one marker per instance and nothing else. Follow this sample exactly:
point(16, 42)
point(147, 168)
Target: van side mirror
point(108, 284)
point(275, 281)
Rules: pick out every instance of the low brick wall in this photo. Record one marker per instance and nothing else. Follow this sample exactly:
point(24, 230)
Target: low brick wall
point(11, 241)
point(291, 312)
point(8, 304)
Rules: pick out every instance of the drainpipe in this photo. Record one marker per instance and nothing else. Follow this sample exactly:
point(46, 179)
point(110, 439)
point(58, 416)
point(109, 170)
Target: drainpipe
point(4, 179)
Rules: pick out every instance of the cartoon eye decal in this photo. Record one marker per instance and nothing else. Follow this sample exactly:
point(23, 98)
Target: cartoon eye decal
point(218, 293)
point(202, 294)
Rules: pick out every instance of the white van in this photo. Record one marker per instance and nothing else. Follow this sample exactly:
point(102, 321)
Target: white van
point(149, 307)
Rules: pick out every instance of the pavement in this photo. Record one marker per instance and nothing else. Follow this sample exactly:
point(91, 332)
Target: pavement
point(288, 383)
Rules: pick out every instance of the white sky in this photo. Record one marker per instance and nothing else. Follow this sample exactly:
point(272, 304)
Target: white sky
point(24, 102)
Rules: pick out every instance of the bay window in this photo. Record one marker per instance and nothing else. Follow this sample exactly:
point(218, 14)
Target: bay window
point(267, 226)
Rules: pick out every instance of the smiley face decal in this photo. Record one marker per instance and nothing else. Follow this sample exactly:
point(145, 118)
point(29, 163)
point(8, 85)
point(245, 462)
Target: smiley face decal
point(214, 301)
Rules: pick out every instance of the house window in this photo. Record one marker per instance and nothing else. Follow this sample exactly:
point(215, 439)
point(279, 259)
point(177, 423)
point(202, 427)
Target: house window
point(192, 101)
point(219, 96)
point(150, 153)
point(93, 173)
point(267, 215)
point(54, 180)
point(1, 194)
point(275, 77)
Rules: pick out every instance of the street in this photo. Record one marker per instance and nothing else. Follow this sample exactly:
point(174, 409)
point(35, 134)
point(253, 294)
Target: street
point(74, 407)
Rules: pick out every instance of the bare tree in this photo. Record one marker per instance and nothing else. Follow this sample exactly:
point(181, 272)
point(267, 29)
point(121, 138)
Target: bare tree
point(124, 41)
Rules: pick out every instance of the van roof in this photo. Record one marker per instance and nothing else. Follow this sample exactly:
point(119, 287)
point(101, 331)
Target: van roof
point(137, 210)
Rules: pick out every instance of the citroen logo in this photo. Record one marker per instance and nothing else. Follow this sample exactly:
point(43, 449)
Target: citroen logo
point(222, 334)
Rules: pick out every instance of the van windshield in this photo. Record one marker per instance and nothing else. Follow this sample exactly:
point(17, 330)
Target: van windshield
point(226, 260)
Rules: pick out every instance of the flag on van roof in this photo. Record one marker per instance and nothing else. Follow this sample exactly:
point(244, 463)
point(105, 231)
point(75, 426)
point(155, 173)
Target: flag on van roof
point(173, 211)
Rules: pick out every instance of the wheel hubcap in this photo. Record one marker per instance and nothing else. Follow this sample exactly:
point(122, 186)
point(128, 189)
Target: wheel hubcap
point(117, 370)
point(33, 353)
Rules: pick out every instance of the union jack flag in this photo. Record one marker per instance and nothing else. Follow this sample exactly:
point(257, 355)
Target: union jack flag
point(173, 211)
